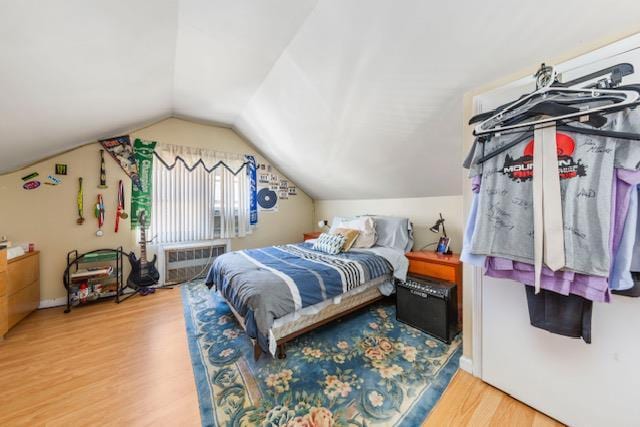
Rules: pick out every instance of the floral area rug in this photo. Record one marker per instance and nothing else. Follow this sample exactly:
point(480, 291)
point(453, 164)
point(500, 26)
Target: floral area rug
point(366, 369)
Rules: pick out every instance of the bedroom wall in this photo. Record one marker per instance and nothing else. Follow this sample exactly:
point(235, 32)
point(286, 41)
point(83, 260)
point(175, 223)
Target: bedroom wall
point(423, 212)
point(47, 215)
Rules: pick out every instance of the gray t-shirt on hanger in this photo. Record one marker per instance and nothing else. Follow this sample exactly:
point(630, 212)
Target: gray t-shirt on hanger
point(504, 223)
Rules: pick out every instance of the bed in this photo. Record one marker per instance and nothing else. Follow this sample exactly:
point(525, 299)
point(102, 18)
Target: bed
point(280, 292)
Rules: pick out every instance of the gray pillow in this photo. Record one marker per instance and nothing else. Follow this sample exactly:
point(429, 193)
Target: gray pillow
point(394, 232)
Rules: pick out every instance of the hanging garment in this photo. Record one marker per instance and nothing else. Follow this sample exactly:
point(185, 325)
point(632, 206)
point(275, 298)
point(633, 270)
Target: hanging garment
point(466, 256)
point(633, 292)
point(548, 236)
point(594, 288)
point(559, 314)
point(563, 282)
point(620, 278)
point(586, 163)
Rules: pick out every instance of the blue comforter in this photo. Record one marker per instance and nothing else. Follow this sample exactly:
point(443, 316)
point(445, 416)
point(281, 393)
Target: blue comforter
point(268, 283)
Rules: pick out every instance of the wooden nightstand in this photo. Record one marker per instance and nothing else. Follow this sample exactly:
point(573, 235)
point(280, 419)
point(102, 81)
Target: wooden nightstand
point(443, 267)
point(311, 235)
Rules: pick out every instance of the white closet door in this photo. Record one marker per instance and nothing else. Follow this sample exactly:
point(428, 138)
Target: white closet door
point(576, 383)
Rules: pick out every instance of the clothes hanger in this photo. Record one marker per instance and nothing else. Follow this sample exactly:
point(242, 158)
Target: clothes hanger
point(544, 81)
point(528, 133)
point(612, 81)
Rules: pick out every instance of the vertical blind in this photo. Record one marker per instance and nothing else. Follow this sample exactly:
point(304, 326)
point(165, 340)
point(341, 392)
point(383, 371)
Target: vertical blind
point(195, 197)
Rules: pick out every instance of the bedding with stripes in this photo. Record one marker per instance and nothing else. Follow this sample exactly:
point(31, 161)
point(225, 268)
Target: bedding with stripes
point(268, 283)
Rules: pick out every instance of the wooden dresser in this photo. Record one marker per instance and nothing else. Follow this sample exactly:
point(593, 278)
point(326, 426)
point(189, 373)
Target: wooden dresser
point(21, 288)
point(443, 267)
point(4, 278)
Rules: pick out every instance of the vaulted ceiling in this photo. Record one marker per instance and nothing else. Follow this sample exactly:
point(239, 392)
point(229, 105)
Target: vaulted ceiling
point(349, 98)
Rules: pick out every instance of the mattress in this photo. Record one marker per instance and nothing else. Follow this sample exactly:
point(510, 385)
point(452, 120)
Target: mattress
point(296, 321)
point(302, 319)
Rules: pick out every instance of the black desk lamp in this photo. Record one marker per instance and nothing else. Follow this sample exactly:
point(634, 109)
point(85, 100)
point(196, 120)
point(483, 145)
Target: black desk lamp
point(436, 229)
point(436, 226)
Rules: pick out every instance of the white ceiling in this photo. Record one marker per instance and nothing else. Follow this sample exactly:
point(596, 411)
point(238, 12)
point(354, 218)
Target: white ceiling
point(350, 99)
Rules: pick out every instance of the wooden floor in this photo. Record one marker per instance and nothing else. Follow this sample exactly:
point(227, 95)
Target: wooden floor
point(128, 364)
point(470, 402)
point(103, 364)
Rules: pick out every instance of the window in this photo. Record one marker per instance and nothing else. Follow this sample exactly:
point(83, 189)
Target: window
point(192, 204)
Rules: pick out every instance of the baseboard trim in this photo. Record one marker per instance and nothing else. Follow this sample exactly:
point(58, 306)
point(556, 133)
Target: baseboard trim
point(466, 364)
point(54, 302)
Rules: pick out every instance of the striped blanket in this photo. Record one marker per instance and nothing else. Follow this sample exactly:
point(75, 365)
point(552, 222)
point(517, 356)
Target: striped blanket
point(269, 283)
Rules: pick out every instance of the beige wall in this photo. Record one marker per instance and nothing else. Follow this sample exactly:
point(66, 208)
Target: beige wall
point(423, 212)
point(47, 216)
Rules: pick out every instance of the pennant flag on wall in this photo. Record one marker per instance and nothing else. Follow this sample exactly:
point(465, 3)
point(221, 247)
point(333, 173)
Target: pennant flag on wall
point(121, 150)
point(141, 196)
point(253, 200)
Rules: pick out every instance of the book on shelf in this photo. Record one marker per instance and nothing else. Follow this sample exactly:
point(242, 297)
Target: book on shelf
point(82, 273)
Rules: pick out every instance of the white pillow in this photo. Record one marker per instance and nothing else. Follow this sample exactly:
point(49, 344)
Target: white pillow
point(365, 225)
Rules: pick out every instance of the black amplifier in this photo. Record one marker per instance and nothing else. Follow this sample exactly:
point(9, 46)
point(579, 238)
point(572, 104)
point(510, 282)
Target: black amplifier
point(428, 305)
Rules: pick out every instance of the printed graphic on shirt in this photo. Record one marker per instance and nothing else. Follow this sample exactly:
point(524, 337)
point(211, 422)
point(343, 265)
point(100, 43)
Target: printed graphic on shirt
point(521, 169)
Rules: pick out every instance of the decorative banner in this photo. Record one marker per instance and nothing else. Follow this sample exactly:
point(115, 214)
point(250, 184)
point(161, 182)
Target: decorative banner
point(80, 199)
point(253, 197)
point(121, 150)
point(99, 213)
point(103, 172)
point(141, 196)
point(30, 176)
point(53, 180)
point(31, 185)
point(267, 200)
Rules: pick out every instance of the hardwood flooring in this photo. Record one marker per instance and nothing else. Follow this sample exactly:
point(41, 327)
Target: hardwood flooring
point(470, 402)
point(128, 364)
point(102, 364)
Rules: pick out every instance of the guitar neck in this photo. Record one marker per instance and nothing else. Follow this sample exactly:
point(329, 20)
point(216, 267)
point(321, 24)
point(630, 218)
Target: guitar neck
point(143, 246)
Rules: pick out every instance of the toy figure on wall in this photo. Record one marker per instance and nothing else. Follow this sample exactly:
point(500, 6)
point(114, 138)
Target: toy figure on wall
point(122, 152)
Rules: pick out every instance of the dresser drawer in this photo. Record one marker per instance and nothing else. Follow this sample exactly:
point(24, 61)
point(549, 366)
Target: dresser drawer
point(438, 271)
point(4, 320)
point(3, 283)
point(3, 260)
point(23, 302)
point(23, 271)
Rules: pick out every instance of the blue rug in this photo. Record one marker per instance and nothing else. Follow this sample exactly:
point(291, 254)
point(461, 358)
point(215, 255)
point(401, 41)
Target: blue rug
point(365, 370)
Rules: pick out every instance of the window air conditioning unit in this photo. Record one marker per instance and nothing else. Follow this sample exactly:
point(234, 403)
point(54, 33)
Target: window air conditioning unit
point(189, 261)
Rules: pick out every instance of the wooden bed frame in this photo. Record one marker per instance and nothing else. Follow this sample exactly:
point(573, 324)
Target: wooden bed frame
point(281, 343)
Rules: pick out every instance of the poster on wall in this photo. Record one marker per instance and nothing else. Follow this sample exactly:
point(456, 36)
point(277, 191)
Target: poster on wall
point(121, 150)
point(283, 194)
point(141, 196)
point(263, 178)
point(267, 199)
point(292, 191)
